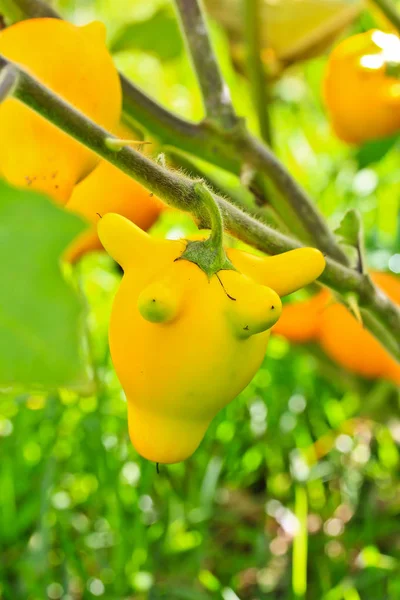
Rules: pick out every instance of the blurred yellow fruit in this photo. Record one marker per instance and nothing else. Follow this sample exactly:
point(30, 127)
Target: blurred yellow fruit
point(74, 63)
point(361, 94)
point(343, 338)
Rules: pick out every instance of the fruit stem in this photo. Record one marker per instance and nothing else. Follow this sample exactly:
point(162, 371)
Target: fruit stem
point(217, 226)
point(209, 255)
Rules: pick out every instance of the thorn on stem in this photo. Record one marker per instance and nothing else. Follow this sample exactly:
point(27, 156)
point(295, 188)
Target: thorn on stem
point(116, 144)
point(161, 160)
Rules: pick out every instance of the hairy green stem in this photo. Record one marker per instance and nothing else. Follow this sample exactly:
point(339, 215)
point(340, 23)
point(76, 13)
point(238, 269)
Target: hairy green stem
point(216, 95)
point(255, 68)
point(235, 191)
point(390, 11)
point(209, 254)
point(180, 192)
point(216, 239)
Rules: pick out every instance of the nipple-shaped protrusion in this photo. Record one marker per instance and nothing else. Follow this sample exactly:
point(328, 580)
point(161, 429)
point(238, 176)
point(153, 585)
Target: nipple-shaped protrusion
point(160, 302)
point(123, 240)
point(256, 309)
point(284, 273)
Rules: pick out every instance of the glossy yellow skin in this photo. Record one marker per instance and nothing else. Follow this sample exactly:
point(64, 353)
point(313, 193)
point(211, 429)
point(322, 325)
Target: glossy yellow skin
point(184, 346)
point(363, 100)
point(74, 63)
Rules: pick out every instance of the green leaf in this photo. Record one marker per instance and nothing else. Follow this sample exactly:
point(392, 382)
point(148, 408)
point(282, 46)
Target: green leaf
point(374, 151)
point(158, 35)
point(350, 228)
point(350, 233)
point(41, 316)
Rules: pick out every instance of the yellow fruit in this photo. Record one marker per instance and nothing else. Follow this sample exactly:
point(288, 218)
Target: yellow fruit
point(362, 97)
point(75, 64)
point(184, 345)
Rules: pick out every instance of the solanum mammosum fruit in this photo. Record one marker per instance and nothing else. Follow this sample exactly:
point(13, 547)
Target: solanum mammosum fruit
point(107, 189)
point(362, 88)
point(75, 64)
point(342, 337)
point(184, 344)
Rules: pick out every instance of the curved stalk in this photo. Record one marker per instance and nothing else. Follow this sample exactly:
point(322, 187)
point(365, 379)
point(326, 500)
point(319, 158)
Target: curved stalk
point(209, 254)
point(216, 95)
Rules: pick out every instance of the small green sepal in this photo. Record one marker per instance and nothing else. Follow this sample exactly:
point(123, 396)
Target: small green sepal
point(208, 258)
point(209, 255)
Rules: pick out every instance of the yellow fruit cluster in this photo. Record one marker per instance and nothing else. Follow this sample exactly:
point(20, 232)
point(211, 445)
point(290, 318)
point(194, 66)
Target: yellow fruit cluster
point(75, 64)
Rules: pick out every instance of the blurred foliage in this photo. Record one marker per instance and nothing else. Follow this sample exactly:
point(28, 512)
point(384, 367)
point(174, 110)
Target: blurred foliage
point(83, 516)
point(41, 316)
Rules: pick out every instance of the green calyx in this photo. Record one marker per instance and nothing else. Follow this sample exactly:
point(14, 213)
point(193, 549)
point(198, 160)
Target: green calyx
point(209, 255)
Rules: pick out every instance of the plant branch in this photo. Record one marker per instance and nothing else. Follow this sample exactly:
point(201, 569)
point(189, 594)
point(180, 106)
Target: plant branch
point(255, 68)
point(180, 192)
point(390, 11)
point(261, 157)
point(8, 79)
point(216, 95)
point(228, 148)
